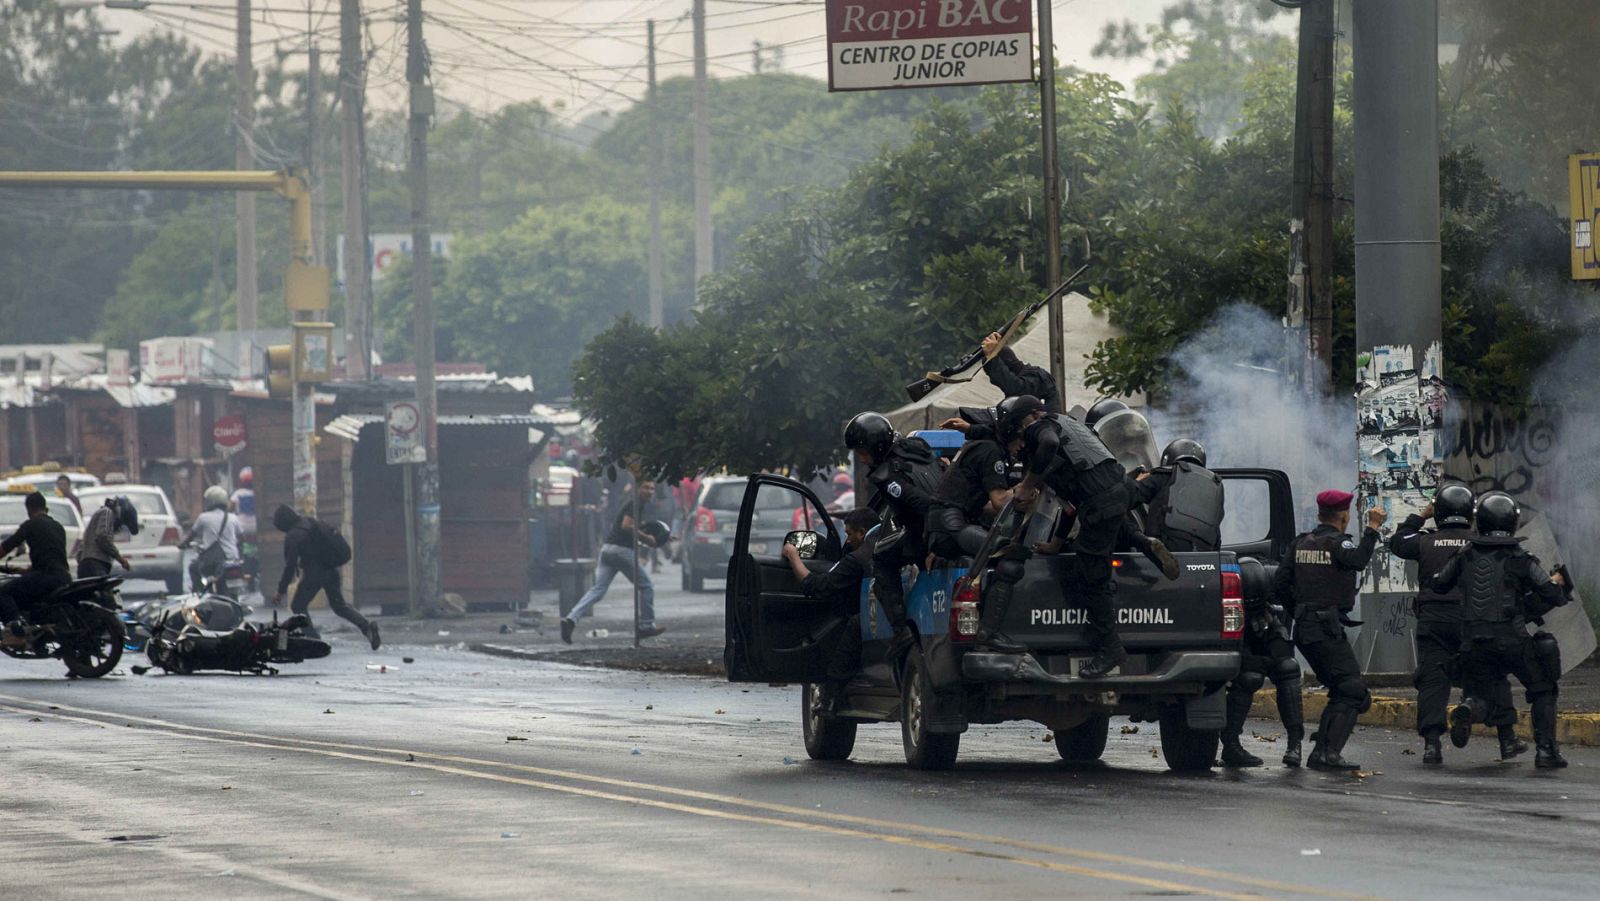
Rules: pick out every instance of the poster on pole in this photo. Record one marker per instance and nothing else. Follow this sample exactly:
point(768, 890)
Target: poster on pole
point(402, 429)
point(876, 44)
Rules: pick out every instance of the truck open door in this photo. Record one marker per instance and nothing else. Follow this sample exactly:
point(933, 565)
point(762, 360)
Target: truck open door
point(774, 633)
point(1259, 519)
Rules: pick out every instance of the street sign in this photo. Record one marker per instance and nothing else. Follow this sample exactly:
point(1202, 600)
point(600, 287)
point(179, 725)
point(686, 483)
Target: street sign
point(402, 430)
point(1583, 171)
point(875, 44)
point(228, 434)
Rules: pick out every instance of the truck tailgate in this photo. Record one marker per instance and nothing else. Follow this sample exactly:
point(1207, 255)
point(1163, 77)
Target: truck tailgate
point(1152, 611)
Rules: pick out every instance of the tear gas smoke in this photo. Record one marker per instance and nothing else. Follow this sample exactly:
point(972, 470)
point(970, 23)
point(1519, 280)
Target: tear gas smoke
point(1566, 488)
point(1235, 398)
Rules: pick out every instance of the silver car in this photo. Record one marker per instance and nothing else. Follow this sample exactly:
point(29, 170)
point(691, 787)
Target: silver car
point(154, 552)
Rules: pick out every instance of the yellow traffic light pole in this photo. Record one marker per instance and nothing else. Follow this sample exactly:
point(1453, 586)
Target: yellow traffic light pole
point(305, 285)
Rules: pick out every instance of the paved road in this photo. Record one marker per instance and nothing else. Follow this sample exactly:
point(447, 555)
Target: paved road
point(463, 775)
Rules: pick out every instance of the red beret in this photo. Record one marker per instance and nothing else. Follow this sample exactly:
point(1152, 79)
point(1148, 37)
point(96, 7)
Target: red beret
point(1334, 500)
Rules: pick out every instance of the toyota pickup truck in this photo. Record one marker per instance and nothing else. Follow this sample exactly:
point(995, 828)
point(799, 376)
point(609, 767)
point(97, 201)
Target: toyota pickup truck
point(1183, 637)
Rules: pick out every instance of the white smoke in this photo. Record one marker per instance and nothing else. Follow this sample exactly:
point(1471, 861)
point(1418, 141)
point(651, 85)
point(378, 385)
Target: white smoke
point(1235, 398)
point(1567, 487)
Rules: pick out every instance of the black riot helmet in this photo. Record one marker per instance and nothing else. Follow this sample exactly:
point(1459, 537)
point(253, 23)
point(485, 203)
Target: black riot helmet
point(1498, 514)
point(1013, 410)
point(1452, 506)
point(870, 432)
point(1101, 409)
point(1184, 449)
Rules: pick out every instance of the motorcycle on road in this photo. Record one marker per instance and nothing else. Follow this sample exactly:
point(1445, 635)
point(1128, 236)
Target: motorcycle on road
point(211, 632)
point(76, 624)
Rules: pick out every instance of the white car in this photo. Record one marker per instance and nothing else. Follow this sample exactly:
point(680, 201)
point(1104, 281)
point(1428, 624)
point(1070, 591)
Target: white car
point(13, 513)
point(45, 482)
point(154, 552)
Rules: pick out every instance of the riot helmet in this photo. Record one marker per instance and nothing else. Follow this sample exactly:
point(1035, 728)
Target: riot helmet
point(1452, 506)
point(1101, 409)
point(1013, 410)
point(870, 432)
point(1498, 514)
point(1127, 435)
point(1184, 449)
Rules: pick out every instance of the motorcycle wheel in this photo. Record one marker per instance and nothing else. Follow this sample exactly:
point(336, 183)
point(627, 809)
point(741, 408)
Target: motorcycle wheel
point(301, 648)
point(98, 650)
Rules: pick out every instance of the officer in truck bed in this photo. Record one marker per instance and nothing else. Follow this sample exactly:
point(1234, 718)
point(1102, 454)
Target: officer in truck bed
point(1317, 585)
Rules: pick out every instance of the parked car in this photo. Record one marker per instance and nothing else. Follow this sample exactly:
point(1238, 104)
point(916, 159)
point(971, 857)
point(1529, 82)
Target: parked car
point(154, 552)
point(708, 536)
point(42, 478)
point(13, 513)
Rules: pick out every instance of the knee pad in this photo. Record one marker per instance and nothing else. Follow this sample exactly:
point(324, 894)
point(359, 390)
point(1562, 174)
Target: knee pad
point(1249, 680)
point(1008, 570)
point(1548, 651)
point(1285, 668)
point(1354, 691)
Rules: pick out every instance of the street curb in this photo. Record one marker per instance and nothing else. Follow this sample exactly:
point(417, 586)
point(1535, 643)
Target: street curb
point(586, 657)
point(1401, 713)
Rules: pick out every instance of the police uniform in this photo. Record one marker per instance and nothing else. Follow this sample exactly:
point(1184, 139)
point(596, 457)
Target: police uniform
point(1185, 506)
point(1317, 582)
point(1267, 654)
point(1072, 460)
point(841, 584)
point(1015, 378)
point(904, 484)
point(1438, 632)
point(955, 522)
point(1502, 588)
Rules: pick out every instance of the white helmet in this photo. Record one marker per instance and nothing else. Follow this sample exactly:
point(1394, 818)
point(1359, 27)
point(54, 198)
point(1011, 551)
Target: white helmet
point(216, 498)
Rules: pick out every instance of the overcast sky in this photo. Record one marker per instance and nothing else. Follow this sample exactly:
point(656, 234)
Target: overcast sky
point(581, 56)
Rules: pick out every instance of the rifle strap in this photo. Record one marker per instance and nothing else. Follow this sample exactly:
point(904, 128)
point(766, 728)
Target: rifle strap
point(946, 379)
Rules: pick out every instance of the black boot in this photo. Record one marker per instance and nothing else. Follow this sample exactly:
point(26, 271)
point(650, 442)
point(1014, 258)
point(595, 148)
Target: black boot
point(1546, 754)
point(995, 605)
point(1291, 713)
point(1337, 724)
point(1238, 710)
point(1157, 552)
point(1432, 751)
point(1109, 657)
point(1461, 723)
point(1510, 745)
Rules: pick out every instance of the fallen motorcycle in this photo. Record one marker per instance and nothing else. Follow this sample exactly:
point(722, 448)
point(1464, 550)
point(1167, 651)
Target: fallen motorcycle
point(210, 632)
point(76, 624)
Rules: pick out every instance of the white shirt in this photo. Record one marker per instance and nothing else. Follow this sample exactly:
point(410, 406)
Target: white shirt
point(205, 529)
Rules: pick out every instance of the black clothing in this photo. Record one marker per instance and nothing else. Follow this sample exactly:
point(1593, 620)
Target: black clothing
point(1186, 506)
point(1502, 587)
point(317, 578)
point(1317, 582)
point(28, 589)
point(47, 544)
point(618, 535)
point(842, 582)
point(296, 540)
point(1071, 459)
point(1432, 549)
point(978, 469)
point(1267, 654)
point(89, 568)
point(1015, 378)
point(904, 484)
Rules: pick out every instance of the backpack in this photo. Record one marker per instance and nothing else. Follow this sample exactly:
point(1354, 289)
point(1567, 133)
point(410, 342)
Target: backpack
point(328, 545)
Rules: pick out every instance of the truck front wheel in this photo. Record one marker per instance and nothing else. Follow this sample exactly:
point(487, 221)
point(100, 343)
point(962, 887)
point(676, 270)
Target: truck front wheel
point(924, 750)
point(1086, 741)
point(1186, 750)
point(827, 738)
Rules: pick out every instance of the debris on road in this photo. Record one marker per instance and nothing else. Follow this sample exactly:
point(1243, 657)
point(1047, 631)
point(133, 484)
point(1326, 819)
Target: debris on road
point(720, 711)
point(417, 793)
point(515, 738)
point(636, 752)
point(408, 660)
point(790, 761)
point(1048, 737)
point(1310, 852)
point(511, 835)
point(379, 668)
point(649, 706)
point(329, 710)
point(1130, 730)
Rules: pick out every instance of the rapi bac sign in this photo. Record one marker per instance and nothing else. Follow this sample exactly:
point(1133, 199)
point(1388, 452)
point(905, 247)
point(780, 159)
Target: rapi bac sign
point(928, 43)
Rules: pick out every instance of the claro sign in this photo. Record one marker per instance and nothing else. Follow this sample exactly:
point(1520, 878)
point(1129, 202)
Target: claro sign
point(876, 44)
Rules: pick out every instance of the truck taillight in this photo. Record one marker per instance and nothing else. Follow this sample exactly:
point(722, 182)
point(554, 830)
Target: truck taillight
point(170, 536)
point(964, 611)
point(1232, 605)
point(705, 521)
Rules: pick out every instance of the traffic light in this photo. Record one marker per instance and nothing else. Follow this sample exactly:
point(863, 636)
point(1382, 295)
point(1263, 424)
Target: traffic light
point(280, 370)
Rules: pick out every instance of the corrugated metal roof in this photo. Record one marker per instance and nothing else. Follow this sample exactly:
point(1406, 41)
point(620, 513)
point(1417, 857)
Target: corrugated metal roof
point(446, 385)
point(349, 426)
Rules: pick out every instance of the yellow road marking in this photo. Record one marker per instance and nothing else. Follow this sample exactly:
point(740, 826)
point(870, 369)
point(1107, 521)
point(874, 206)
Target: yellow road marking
point(363, 752)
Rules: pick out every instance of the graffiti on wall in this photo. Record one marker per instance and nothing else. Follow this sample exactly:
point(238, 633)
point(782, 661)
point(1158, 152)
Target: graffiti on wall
point(1493, 449)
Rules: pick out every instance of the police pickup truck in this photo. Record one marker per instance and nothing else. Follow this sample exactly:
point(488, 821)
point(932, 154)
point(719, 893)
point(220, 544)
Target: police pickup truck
point(1183, 637)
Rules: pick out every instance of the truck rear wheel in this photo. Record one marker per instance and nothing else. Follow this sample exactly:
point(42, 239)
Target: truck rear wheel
point(1086, 741)
point(1186, 750)
point(827, 738)
point(924, 750)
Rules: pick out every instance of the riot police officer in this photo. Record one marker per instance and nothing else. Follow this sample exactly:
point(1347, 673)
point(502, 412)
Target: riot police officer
point(1268, 654)
point(974, 488)
point(1317, 583)
point(904, 474)
point(1439, 621)
point(1061, 452)
point(1184, 498)
point(1015, 378)
point(1502, 589)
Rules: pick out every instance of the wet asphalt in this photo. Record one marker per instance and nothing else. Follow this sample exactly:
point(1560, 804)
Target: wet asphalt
point(461, 775)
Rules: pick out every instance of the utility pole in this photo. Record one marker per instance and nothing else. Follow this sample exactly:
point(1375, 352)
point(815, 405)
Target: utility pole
point(1052, 196)
point(657, 303)
point(702, 154)
point(1311, 209)
point(313, 171)
point(244, 159)
point(427, 485)
point(353, 182)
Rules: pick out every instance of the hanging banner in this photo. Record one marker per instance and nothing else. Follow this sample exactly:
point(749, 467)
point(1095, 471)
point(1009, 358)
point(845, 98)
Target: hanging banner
point(874, 44)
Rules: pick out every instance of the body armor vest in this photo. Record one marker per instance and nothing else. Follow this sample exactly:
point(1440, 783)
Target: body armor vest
point(1488, 594)
point(1435, 549)
point(1319, 582)
point(1187, 514)
point(1081, 447)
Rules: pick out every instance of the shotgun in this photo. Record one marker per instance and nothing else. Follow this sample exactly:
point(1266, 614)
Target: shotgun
point(920, 388)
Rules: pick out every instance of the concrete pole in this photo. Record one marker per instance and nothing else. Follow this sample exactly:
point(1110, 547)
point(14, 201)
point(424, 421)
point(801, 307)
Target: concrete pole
point(657, 301)
point(702, 153)
point(244, 160)
point(353, 182)
point(1397, 295)
point(1052, 195)
point(427, 485)
point(313, 170)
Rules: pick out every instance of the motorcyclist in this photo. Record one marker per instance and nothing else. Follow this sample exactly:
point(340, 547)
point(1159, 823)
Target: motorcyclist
point(97, 549)
point(47, 562)
point(218, 534)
